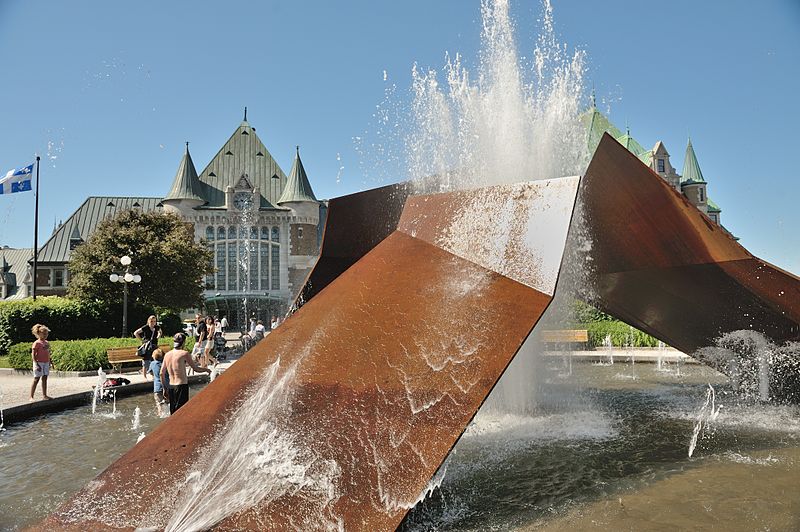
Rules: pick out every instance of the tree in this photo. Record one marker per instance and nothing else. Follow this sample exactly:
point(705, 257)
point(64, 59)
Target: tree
point(163, 252)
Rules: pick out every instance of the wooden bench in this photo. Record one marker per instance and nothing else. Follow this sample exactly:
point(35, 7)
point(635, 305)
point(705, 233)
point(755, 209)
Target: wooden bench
point(565, 336)
point(117, 356)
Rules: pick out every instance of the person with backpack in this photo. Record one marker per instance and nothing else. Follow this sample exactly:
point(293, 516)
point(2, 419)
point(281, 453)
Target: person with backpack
point(148, 334)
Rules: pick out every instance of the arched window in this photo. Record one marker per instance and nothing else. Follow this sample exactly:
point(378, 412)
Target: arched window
point(254, 233)
point(220, 233)
point(276, 273)
point(276, 235)
point(232, 265)
point(231, 233)
point(209, 233)
point(265, 233)
point(220, 256)
point(264, 255)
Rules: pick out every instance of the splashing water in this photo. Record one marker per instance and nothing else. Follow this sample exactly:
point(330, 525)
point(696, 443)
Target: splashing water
point(136, 419)
point(259, 447)
point(141, 436)
point(2, 421)
point(708, 414)
point(101, 379)
point(759, 369)
point(506, 124)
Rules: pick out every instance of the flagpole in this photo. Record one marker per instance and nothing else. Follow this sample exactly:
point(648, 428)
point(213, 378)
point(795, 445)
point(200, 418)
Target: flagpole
point(36, 231)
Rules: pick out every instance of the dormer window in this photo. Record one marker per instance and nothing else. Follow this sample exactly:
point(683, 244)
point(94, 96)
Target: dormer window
point(661, 165)
point(700, 192)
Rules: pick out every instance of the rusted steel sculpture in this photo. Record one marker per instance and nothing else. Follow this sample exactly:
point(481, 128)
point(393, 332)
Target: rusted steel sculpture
point(418, 303)
point(343, 414)
point(665, 268)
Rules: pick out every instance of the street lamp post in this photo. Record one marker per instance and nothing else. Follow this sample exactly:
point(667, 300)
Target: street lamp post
point(125, 277)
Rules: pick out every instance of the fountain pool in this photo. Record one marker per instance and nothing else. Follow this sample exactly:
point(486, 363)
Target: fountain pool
point(45, 460)
point(598, 450)
point(602, 451)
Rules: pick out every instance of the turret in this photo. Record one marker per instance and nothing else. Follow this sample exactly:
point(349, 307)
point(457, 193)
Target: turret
point(693, 185)
point(303, 244)
point(186, 191)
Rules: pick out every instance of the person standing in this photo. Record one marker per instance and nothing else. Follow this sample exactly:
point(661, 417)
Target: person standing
point(200, 333)
point(40, 355)
point(208, 344)
point(149, 334)
point(174, 369)
point(223, 324)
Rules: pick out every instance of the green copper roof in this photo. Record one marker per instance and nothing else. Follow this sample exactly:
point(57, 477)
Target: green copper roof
point(712, 207)
point(83, 221)
point(243, 154)
point(186, 184)
point(596, 124)
point(691, 169)
point(297, 187)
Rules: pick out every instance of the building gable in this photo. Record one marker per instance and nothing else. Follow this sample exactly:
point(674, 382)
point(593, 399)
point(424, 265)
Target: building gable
point(243, 153)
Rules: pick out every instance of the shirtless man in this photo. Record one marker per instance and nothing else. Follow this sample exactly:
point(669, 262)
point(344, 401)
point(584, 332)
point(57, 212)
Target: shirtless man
point(174, 364)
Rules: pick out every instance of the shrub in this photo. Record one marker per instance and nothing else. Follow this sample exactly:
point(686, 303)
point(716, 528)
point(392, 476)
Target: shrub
point(78, 355)
point(68, 319)
point(622, 334)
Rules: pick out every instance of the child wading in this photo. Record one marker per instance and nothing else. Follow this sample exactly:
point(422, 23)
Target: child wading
point(159, 388)
point(40, 355)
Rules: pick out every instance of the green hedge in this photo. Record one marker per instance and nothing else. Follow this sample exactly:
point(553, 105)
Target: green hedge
point(77, 355)
point(622, 334)
point(69, 319)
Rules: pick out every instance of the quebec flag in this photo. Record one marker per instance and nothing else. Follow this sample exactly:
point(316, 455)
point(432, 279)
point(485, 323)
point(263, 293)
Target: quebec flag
point(16, 180)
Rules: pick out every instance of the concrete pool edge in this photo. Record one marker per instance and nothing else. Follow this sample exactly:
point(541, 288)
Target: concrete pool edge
point(24, 412)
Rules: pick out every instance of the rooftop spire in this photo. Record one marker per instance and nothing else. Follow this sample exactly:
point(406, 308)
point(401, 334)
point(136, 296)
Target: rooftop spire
point(186, 184)
point(297, 186)
point(245, 114)
point(691, 168)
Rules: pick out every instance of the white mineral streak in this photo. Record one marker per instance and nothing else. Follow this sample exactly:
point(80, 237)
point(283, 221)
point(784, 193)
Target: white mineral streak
point(516, 230)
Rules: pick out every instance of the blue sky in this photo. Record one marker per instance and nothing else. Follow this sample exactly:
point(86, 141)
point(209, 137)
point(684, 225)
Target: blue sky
point(113, 89)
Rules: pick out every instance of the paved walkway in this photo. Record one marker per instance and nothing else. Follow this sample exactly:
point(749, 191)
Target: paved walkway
point(15, 389)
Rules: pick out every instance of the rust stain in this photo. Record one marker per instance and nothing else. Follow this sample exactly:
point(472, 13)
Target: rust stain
point(664, 267)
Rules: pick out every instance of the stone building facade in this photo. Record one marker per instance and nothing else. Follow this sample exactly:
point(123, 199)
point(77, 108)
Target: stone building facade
point(262, 226)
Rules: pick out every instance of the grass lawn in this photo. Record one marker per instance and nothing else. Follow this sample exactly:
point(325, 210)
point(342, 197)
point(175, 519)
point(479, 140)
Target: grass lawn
point(4, 362)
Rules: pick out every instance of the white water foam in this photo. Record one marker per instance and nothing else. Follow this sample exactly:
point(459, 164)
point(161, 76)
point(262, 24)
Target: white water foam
point(258, 459)
point(583, 425)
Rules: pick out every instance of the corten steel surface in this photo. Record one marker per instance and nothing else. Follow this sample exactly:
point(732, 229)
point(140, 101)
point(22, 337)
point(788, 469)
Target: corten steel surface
point(355, 224)
point(356, 399)
point(664, 267)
